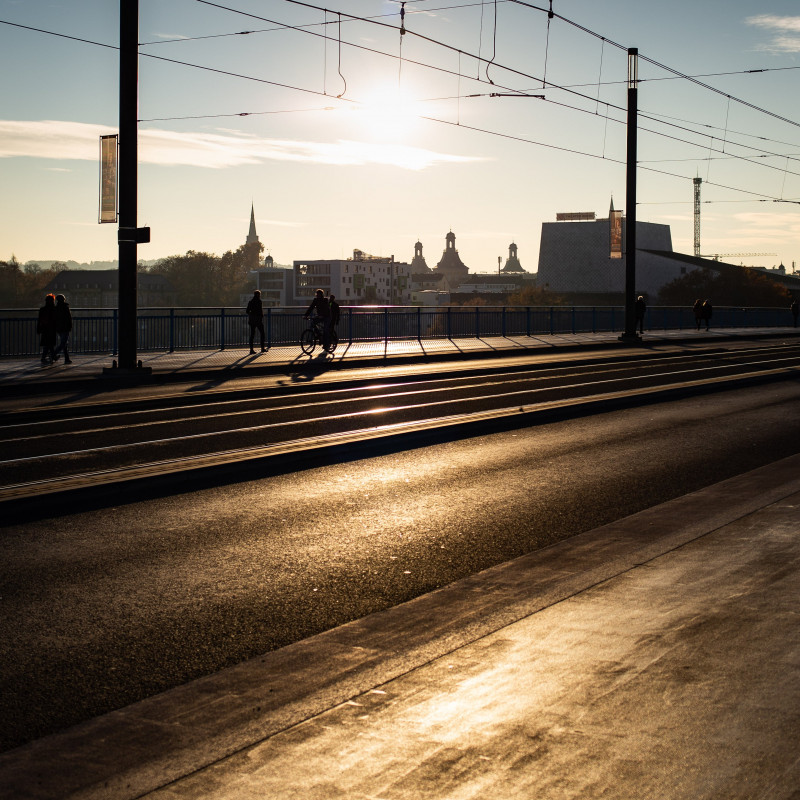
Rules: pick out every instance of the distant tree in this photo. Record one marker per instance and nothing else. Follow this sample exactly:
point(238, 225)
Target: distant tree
point(475, 301)
point(535, 296)
point(733, 287)
point(232, 278)
point(193, 276)
point(11, 280)
point(204, 279)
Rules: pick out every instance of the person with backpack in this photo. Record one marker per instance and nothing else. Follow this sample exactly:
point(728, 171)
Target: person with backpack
point(707, 310)
point(63, 317)
point(255, 318)
point(641, 307)
point(46, 328)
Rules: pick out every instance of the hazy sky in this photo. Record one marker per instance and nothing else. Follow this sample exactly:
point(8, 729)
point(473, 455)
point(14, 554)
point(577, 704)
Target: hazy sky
point(355, 138)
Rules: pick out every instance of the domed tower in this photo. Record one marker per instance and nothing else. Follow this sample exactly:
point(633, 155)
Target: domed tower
point(451, 265)
point(512, 263)
point(418, 263)
point(269, 261)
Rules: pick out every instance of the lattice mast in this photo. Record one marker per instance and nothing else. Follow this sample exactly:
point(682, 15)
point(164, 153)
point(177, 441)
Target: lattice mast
point(697, 182)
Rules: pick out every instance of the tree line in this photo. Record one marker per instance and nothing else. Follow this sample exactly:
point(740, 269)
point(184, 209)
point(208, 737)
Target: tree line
point(198, 279)
point(204, 279)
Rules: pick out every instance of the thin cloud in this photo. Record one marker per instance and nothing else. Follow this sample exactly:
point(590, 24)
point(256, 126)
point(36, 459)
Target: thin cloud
point(786, 38)
point(55, 139)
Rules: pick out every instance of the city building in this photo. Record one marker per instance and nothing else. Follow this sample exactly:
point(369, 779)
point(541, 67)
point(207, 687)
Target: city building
point(575, 256)
point(450, 263)
point(512, 265)
point(360, 280)
point(99, 288)
point(418, 264)
point(276, 285)
point(429, 289)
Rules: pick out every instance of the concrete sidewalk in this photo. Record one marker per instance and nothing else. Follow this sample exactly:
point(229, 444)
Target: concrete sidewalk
point(655, 657)
point(22, 374)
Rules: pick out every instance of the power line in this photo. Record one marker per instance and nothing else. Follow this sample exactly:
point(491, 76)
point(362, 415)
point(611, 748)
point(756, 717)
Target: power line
point(481, 130)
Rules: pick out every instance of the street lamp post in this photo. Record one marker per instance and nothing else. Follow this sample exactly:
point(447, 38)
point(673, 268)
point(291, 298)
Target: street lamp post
point(630, 334)
point(129, 235)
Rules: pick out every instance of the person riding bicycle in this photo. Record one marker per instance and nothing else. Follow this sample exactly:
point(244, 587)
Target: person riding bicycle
point(321, 308)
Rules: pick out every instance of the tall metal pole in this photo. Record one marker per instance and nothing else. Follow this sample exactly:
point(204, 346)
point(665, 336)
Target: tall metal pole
point(697, 182)
point(128, 177)
point(630, 199)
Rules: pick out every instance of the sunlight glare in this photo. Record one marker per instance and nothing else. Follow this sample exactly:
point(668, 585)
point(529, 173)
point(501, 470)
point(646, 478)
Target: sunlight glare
point(388, 115)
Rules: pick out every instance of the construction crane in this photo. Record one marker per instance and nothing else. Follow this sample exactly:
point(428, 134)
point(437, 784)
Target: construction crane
point(718, 256)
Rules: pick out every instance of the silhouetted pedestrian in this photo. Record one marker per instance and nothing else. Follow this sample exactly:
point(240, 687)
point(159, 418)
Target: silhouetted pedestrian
point(641, 307)
point(697, 308)
point(334, 306)
point(255, 318)
point(63, 327)
point(46, 328)
point(707, 311)
point(795, 309)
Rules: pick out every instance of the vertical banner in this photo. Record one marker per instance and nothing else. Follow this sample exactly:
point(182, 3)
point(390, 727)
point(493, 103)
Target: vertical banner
point(615, 234)
point(108, 178)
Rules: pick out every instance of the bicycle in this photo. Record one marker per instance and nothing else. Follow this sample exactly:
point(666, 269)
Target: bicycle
point(313, 336)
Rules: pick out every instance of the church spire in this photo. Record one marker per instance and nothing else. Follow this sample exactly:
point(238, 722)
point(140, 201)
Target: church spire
point(252, 236)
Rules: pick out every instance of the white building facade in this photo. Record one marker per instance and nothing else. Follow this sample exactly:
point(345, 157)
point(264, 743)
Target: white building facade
point(360, 280)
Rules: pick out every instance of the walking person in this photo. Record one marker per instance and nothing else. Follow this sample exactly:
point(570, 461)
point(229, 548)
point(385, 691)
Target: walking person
point(334, 306)
point(795, 309)
point(641, 307)
point(63, 327)
point(255, 318)
point(697, 308)
point(46, 328)
point(707, 311)
point(322, 308)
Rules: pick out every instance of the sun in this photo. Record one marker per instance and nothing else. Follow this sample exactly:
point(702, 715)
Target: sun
point(387, 115)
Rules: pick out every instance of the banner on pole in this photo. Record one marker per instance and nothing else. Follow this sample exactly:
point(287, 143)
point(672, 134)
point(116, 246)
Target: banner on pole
point(108, 178)
point(615, 234)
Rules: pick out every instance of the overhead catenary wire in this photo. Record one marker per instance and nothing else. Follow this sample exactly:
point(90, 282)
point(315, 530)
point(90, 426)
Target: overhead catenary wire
point(297, 88)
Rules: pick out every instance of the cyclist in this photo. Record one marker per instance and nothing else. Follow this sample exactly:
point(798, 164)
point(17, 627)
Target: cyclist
point(321, 308)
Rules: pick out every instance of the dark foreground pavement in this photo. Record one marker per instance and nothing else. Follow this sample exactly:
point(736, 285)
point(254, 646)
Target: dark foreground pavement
point(655, 657)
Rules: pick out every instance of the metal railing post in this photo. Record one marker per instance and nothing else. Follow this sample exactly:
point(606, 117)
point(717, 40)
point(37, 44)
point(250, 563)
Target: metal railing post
point(269, 327)
point(385, 327)
point(419, 324)
point(551, 320)
point(222, 329)
point(527, 320)
point(573, 320)
point(477, 322)
point(449, 329)
point(594, 319)
point(114, 332)
point(503, 322)
point(172, 330)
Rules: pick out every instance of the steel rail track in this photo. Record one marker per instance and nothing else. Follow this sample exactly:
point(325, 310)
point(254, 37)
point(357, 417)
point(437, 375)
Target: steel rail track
point(475, 421)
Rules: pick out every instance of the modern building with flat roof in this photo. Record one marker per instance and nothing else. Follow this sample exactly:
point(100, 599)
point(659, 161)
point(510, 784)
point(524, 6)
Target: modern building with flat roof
point(575, 256)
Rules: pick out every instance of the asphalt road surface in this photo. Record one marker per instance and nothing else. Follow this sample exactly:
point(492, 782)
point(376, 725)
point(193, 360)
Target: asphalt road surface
point(104, 607)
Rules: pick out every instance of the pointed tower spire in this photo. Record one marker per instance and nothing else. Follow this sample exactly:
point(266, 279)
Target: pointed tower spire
point(611, 208)
point(252, 236)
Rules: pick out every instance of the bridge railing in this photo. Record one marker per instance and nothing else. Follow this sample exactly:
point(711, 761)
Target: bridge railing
point(171, 329)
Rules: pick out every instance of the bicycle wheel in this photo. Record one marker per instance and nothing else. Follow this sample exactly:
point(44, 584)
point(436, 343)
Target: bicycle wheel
point(333, 340)
point(307, 341)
